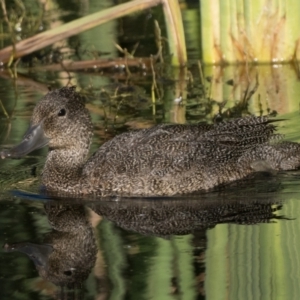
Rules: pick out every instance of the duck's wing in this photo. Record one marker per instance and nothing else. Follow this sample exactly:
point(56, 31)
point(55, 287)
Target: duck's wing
point(139, 152)
point(166, 149)
point(158, 137)
point(176, 159)
point(244, 132)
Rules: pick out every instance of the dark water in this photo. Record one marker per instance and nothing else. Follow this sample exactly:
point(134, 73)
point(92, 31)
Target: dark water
point(239, 243)
point(243, 240)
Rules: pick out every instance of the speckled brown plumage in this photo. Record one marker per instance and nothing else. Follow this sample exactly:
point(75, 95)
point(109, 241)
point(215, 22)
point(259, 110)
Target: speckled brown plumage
point(164, 160)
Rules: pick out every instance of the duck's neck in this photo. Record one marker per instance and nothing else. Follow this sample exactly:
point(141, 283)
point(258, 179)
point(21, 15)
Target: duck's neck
point(63, 169)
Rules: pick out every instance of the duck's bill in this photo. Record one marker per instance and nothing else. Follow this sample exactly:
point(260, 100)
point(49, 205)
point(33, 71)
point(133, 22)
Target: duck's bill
point(37, 253)
point(33, 139)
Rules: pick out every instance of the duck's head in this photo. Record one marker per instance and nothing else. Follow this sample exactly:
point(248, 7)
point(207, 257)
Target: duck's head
point(60, 120)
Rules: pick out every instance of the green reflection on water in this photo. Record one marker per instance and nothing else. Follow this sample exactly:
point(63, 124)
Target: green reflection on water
point(241, 262)
point(255, 262)
point(244, 262)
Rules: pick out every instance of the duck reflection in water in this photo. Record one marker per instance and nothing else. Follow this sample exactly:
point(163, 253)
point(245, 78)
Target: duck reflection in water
point(69, 252)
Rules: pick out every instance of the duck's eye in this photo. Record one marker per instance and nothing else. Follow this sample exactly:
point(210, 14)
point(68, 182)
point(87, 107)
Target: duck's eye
point(68, 273)
point(62, 112)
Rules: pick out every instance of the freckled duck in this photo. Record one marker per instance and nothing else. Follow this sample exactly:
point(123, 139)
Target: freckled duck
point(164, 160)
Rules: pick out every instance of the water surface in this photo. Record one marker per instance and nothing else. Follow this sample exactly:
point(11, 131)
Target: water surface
point(244, 240)
point(236, 243)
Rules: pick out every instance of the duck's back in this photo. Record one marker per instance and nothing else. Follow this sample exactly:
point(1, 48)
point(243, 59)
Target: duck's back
point(176, 159)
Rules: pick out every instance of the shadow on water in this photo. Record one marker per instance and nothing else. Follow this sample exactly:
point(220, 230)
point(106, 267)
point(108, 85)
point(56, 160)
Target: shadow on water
point(109, 242)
